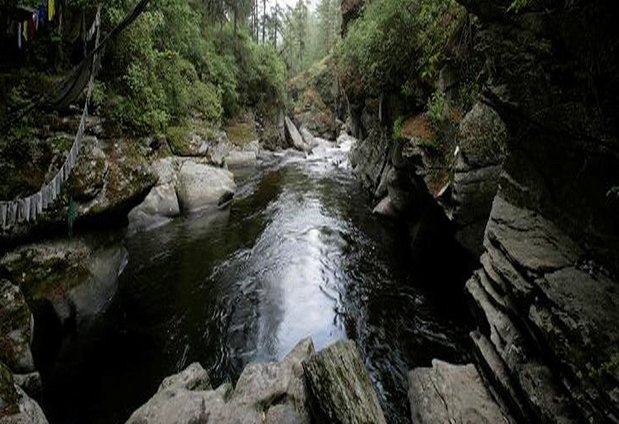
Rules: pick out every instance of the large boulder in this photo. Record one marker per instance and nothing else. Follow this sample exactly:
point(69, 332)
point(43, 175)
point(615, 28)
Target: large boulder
point(340, 387)
point(271, 393)
point(295, 137)
point(446, 393)
point(15, 329)
point(241, 158)
point(195, 141)
point(75, 279)
point(202, 186)
point(109, 179)
point(161, 204)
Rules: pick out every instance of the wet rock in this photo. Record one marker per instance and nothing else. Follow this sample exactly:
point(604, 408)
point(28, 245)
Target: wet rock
point(194, 377)
point(368, 158)
point(31, 383)
point(308, 138)
point(15, 329)
point(161, 204)
point(240, 159)
point(8, 395)
point(202, 186)
point(76, 280)
point(385, 208)
point(15, 405)
point(295, 137)
point(272, 393)
point(533, 301)
point(340, 387)
point(448, 393)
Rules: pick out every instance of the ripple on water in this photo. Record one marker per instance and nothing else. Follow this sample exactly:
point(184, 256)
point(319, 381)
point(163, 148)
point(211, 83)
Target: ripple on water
point(298, 254)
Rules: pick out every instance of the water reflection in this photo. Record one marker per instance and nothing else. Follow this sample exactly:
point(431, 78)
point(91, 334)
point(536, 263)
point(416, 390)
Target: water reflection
point(298, 254)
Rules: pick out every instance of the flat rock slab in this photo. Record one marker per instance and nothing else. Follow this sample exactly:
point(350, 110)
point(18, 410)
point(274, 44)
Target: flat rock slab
point(340, 386)
point(447, 393)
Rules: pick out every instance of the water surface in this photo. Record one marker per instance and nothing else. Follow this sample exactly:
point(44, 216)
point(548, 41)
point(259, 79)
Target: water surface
point(298, 254)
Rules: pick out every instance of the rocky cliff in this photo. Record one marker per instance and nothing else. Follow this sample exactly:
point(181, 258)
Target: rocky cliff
point(546, 296)
point(531, 192)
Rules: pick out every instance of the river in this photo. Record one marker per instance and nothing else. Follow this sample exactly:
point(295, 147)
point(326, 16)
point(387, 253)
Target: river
point(297, 254)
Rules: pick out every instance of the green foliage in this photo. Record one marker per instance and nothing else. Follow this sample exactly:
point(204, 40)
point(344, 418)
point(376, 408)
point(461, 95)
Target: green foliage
point(613, 192)
point(609, 367)
point(397, 128)
point(174, 62)
point(398, 44)
point(437, 109)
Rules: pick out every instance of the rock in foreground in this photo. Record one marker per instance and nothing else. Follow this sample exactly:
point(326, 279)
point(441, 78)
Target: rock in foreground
point(448, 393)
point(15, 405)
point(15, 329)
point(272, 393)
point(342, 392)
point(201, 186)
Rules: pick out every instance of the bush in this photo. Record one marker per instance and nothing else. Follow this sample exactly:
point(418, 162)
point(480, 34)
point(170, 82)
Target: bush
point(172, 63)
point(397, 45)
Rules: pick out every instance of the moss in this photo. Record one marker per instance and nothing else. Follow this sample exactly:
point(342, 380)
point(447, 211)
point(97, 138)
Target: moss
point(178, 137)
point(241, 133)
point(8, 395)
point(610, 367)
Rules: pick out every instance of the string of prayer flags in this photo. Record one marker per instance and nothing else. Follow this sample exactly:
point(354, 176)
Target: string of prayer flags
point(27, 29)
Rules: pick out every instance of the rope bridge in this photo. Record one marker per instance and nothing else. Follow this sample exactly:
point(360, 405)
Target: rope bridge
point(27, 209)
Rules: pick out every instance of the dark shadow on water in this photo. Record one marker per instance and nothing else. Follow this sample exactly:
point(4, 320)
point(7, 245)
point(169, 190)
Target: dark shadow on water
point(298, 254)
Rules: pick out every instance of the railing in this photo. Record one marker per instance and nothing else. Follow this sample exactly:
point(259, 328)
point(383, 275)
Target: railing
point(28, 209)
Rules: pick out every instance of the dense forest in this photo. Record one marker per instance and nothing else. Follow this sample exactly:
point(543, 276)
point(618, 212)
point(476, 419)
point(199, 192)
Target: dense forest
point(295, 211)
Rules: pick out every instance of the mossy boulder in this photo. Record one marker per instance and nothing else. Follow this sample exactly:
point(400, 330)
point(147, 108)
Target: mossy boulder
point(71, 276)
point(340, 387)
point(88, 177)
point(15, 405)
point(8, 395)
point(193, 139)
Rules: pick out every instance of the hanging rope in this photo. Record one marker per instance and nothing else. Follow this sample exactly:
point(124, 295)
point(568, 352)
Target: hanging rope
point(70, 84)
point(27, 209)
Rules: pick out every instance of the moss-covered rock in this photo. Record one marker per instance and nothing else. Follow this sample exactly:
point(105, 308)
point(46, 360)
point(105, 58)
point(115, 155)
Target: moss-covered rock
point(195, 139)
point(315, 98)
point(72, 277)
point(8, 395)
point(341, 388)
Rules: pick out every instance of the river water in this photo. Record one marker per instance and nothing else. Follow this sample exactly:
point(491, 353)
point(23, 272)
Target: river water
point(297, 254)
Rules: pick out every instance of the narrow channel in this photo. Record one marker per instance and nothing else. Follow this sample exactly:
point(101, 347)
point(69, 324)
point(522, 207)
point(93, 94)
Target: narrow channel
point(297, 254)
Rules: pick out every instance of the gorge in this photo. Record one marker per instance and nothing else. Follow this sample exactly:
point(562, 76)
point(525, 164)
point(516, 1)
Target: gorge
point(419, 224)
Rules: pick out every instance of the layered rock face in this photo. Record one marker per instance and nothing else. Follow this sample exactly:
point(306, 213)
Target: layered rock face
point(479, 158)
point(547, 297)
